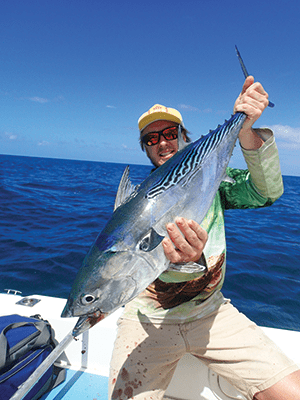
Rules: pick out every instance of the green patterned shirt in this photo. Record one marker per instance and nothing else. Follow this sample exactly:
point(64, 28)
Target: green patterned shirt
point(258, 186)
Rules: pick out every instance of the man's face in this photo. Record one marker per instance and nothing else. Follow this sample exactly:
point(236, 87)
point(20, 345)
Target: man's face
point(164, 149)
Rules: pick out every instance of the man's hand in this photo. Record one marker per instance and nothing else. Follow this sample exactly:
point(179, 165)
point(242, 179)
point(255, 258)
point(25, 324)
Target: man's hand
point(186, 243)
point(252, 100)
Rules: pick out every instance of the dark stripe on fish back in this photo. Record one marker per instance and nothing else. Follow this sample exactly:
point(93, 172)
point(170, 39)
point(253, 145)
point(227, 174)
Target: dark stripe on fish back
point(194, 156)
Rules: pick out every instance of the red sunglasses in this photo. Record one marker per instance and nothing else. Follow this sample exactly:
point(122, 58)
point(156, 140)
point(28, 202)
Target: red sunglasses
point(152, 138)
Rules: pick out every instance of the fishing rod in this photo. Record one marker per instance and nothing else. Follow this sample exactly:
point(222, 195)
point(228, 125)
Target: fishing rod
point(42, 368)
point(245, 72)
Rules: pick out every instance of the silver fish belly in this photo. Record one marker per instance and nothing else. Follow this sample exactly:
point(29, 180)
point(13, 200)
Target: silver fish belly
point(127, 255)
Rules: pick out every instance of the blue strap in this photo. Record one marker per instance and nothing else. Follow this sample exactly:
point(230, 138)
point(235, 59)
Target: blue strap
point(42, 338)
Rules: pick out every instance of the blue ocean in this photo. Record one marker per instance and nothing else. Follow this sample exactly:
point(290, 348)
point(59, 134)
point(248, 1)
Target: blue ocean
point(52, 211)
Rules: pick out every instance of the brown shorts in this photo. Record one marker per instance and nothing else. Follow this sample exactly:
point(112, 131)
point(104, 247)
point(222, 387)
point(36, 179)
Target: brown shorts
point(145, 355)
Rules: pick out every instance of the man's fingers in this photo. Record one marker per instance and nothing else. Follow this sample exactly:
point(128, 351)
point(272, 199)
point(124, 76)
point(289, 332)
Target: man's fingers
point(248, 82)
point(187, 240)
point(200, 232)
point(171, 253)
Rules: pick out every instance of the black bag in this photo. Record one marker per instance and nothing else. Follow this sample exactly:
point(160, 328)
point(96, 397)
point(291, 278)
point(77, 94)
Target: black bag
point(24, 344)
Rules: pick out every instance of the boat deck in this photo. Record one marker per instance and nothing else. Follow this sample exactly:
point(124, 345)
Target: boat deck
point(80, 385)
point(87, 358)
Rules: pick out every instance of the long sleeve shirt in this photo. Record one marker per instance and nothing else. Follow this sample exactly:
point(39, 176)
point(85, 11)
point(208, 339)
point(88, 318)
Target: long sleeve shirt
point(176, 296)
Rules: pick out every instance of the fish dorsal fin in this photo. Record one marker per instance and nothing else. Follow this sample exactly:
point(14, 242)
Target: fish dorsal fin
point(181, 143)
point(125, 189)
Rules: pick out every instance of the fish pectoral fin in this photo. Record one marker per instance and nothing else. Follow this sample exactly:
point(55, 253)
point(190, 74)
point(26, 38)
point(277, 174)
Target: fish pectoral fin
point(125, 189)
point(187, 268)
point(190, 267)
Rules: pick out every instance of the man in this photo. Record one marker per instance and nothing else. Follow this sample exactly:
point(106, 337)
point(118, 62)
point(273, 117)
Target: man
point(178, 314)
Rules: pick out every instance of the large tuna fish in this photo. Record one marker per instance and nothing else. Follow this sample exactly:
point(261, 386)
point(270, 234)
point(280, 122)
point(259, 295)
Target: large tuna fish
point(127, 255)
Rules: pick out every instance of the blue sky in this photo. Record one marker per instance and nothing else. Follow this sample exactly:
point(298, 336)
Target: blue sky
point(76, 75)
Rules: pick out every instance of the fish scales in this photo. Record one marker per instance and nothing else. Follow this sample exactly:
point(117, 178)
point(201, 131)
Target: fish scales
point(128, 255)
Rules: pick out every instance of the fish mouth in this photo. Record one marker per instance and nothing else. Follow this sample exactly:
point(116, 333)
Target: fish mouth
point(90, 317)
point(84, 322)
point(88, 321)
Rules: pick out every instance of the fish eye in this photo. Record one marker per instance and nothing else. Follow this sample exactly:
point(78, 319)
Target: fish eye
point(87, 299)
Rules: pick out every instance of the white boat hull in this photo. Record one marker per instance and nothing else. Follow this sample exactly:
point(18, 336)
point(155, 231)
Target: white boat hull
point(87, 358)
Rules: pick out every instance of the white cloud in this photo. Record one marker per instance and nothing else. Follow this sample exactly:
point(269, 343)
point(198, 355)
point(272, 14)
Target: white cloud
point(189, 108)
point(38, 99)
point(10, 136)
point(195, 109)
point(108, 106)
point(128, 148)
point(287, 136)
point(43, 143)
point(59, 98)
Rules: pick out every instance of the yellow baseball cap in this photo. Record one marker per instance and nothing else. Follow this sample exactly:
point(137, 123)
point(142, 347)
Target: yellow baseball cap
point(159, 112)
